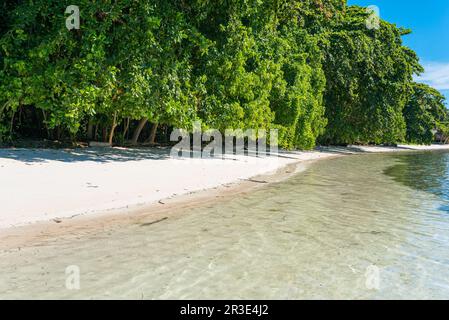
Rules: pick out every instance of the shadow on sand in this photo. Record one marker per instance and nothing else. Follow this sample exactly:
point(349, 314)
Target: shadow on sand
point(87, 154)
point(136, 154)
point(102, 155)
point(359, 149)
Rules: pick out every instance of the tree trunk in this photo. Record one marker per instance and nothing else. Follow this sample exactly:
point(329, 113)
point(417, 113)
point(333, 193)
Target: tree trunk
point(90, 130)
point(58, 133)
point(152, 137)
point(46, 124)
point(11, 125)
point(114, 125)
point(104, 134)
point(125, 131)
point(138, 130)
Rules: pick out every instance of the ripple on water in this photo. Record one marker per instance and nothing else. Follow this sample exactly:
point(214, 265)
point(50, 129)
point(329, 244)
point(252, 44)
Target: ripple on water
point(329, 232)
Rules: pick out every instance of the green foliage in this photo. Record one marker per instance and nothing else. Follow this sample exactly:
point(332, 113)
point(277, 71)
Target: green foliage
point(369, 74)
point(129, 59)
point(424, 113)
point(310, 68)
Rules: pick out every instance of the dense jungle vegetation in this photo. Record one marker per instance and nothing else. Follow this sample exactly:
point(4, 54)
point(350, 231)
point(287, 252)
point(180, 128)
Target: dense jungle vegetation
point(137, 68)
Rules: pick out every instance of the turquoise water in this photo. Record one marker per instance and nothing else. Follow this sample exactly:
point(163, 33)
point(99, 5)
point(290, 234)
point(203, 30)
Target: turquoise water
point(356, 227)
point(428, 172)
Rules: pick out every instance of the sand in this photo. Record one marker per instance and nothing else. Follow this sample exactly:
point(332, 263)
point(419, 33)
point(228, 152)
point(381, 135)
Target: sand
point(53, 185)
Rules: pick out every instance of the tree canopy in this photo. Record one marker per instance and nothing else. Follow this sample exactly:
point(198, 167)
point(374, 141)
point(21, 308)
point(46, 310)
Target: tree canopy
point(425, 114)
point(310, 68)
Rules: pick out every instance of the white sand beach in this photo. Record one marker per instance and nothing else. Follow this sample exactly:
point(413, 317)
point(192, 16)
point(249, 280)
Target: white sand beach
point(45, 185)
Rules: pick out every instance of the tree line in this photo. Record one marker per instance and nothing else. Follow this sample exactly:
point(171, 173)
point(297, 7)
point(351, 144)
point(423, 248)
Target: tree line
point(136, 69)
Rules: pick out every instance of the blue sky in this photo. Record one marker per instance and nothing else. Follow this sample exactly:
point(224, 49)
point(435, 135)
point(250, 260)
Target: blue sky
point(429, 21)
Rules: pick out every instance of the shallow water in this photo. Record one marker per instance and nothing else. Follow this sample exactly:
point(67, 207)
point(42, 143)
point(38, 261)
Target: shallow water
point(368, 226)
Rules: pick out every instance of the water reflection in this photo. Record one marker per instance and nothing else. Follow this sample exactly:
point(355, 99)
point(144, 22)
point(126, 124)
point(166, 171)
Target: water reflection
point(427, 172)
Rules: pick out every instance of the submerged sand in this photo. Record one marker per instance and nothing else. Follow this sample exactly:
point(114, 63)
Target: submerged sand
point(53, 185)
point(346, 228)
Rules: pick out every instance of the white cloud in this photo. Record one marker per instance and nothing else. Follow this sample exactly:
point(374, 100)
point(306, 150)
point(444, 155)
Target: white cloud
point(436, 75)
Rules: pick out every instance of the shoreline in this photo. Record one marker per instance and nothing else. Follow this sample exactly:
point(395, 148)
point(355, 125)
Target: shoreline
point(256, 173)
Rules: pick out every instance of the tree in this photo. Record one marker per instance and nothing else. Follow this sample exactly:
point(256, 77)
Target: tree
point(310, 68)
point(425, 112)
point(368, 79)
